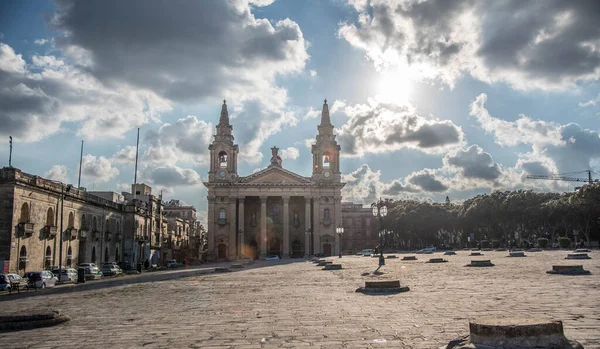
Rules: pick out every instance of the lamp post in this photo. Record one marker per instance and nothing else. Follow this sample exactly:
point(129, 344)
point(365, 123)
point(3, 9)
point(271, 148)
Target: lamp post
point(309, 236)
point(340, 230)
point(380, 210)
point(63, 195)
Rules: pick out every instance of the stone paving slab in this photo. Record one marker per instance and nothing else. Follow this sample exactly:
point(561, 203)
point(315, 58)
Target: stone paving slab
point(290, 304)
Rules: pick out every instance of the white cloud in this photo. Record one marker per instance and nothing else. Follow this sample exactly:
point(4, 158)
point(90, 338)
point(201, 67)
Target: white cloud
point(312, 113)
point(591, 103)
point(172, 176)
point(124, 155)
point(337, 106)
point(510, 41)
point(98, 169)
point(290, 153)
point(58, 173)
point(40, 41)
point(378, 128)
point(313, 73)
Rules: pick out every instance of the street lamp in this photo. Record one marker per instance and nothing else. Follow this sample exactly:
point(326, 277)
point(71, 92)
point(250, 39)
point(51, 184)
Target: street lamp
point(380, 210)
point(63, 195)
point(309, 236)
point(340, 230)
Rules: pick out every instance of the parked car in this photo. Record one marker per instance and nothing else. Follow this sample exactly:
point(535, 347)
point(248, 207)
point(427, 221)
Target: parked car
point(5, 280)
point(111, 269)
point(41, 279)
point(93, 273)
point(88, 265)
point(68, 274)
point(367, 252)
point(172, 263)
point(272, 258)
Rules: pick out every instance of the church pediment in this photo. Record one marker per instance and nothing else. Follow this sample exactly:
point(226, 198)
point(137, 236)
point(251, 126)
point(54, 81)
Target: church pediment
point(275, 175)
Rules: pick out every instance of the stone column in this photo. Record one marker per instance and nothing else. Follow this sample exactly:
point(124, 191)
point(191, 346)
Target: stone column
point(232, 253)
point(211, 227)
point(337, 208)
point(241, 226)
point(286, 226)
point(307, 225)
point(317, 225)
point(263, 227)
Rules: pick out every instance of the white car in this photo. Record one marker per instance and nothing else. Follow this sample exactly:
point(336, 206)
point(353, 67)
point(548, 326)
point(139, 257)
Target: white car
point(172, 263)
point(367, 252)
point(41, 279)
point(68, 274)
point(272, 258)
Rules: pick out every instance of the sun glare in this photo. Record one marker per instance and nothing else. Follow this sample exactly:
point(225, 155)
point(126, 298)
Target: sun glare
point(394, 87)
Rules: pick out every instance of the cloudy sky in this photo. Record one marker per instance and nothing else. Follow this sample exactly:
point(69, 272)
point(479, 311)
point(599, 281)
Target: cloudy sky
point(429, 98)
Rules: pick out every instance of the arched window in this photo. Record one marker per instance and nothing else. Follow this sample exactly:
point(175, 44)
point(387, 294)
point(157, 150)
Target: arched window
point(48, 257)
point(118, 227)
point(106, 254)
point(222, 159)
point(23, 254)
point(24, 213)
point(326, 160)
point(222, 214)
point(107, 226)
point(117, 255)
point(95, 224)
point(83, 222)
point(93, 254)
point(50, 217)
point(71, 224)
point(326, 214)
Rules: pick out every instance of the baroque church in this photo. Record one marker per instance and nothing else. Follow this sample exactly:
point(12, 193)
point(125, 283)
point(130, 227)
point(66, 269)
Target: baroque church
point(273, 211)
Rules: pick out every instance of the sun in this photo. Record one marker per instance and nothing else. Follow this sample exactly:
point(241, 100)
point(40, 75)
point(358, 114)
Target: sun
point(394, 87)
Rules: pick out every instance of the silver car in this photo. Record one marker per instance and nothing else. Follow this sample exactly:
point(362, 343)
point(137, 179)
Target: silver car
point(41, 279)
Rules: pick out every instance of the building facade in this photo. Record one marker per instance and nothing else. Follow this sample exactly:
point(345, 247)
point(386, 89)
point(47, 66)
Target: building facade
point(360, 228)
point(273, 211)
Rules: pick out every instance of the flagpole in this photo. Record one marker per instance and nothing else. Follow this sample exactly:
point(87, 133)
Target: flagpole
point(80, 163)
point(10, 152)
point(137, 146)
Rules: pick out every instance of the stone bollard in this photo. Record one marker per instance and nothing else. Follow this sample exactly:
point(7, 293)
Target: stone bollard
point(535, 249)
point(568, 270)
point(436, 260)
point(516, 254)
point(582, 250)
point(409, 258)
point(317, 261)
point(324, 263)
point(31, 321)
point(391, 256)
point(493, 333)
point(578, 256)
point(378, 287)
point(476, 254)
point(237, 265)
point(480, 263)
point(332, 267)
point(449, 253)
point(221, 270)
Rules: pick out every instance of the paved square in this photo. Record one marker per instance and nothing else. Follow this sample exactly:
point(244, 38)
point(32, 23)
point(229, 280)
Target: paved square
point(293, 303)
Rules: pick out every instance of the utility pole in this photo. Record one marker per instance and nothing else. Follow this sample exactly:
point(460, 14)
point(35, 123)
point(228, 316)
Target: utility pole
point(10, 151)
point(80, 163)
point(137, 146)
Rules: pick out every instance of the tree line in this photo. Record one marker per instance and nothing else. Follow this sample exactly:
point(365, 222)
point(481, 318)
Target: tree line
point(519, 218)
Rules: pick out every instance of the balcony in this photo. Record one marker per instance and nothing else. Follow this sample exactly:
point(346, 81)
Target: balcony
point(83, 234)
point(72, 233)
point(25, 229)
point(50, 231)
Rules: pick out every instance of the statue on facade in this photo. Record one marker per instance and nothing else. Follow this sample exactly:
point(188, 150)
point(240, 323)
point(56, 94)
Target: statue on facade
point(275, 158)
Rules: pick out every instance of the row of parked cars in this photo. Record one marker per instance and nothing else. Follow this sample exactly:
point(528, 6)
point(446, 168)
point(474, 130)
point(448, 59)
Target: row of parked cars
point(49, 278)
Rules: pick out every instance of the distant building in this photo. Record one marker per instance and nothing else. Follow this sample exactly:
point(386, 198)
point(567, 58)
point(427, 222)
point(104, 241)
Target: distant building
point(360, 228)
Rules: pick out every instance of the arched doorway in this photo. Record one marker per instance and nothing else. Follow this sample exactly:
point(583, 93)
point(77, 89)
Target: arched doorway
point(23, 258)
point(48, 257)
point(254, 250)
point(117, 259)
point(222, 251)
point(93, 254)
point(69, 256)
point(296, 249)
point(327, 249)
point(106, 254)
point(274, 247)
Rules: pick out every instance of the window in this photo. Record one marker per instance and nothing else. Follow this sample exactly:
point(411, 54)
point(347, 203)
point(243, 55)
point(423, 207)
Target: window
point(222, 214)
point(107, 226)
point(23, 253)
point(24, 213)
point(95, 224)
point(83, 222)
point(326, 160)
point(50, 217)
point(71, 221)
point(326, 214)
point(223, 159)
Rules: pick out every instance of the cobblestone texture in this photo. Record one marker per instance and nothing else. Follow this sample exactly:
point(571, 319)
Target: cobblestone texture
point(291, 304)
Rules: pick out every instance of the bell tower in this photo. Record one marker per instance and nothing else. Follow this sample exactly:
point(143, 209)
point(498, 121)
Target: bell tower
point(326, 151)
point(223, 153)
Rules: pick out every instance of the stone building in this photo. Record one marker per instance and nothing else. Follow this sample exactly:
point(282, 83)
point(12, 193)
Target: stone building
point(273, 211)
point(33, 210)
point(360, 228)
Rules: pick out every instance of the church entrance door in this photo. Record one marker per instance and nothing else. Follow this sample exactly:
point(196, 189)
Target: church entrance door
point(327, 249)
point(274, 247)
point(222, 251)
point(297, 249)
point(254, 251)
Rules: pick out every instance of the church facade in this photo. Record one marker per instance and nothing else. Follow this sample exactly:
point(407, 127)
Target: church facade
point(273, 211)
